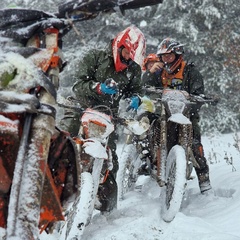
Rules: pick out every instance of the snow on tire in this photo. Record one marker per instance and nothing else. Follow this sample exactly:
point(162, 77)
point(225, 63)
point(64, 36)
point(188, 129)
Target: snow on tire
point(127, 173)
point(81, 211)
point(172, 193)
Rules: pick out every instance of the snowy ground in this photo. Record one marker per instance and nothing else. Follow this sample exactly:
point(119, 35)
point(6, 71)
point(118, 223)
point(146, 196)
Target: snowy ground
point(202, 217)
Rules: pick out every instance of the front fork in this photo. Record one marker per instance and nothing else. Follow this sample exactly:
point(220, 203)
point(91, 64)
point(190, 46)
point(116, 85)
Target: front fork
point(33, 172)
point(186, 140)
point(161, 149)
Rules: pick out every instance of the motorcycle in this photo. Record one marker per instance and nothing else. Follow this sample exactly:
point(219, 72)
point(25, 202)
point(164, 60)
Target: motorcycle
point(39, 162)
point(96, 124)
point(129, 161)
point(170, 158)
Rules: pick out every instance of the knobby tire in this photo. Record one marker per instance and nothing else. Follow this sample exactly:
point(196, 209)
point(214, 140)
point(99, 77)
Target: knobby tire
point(172, 193)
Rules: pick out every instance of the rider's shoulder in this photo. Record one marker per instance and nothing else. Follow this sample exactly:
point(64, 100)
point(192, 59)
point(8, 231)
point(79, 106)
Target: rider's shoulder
point(190, 67)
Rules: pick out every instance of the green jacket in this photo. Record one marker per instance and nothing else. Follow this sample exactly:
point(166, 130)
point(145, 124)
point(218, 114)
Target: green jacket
point(97, 66)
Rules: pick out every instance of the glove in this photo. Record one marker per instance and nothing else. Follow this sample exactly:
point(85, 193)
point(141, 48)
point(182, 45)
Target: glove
point(147, 105)
point(134, 103)
point(108, 87)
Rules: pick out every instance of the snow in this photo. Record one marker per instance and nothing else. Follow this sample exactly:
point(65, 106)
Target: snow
point(138, 127)
point(27, 75)
point(95, 148)
point(214, 216)
point(203, 217)
point(179, 118)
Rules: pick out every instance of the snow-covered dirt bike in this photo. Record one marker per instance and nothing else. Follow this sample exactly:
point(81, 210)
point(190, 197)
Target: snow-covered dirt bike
point(96, 162)
point(168, 143)
point(130, 156)
point(170, 140)
point(39, 166)
point(96, 124)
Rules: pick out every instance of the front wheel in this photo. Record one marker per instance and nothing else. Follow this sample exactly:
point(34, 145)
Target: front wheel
point(127, 173)
point(81, 212)
point(176, 181)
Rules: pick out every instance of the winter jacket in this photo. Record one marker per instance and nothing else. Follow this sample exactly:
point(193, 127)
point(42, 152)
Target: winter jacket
point(192, 81)
point(97, 66)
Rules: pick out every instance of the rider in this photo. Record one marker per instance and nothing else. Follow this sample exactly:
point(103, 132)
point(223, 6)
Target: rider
point(179, 74)
point(104, 77)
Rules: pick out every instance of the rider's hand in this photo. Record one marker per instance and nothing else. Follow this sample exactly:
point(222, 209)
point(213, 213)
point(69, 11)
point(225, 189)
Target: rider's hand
point(108, 87)
point(156, 67)
point(134, 103)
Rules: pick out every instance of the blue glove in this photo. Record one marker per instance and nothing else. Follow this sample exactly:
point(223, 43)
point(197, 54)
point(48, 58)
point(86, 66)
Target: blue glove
point(134, 103)
point(109, 87)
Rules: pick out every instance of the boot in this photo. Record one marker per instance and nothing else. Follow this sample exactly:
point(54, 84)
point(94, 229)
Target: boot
point(203, 170)
point(203, 179)
point(205, 186)
point(107, 195)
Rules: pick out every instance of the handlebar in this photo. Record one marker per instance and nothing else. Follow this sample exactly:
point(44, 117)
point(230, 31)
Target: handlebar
point(202, 98)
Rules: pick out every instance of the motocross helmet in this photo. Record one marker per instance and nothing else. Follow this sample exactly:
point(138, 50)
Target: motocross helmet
point(169, 45)
point(134, 41)
point(152, 57)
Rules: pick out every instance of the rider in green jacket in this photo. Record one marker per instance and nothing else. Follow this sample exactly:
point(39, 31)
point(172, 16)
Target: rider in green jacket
point(103, 78)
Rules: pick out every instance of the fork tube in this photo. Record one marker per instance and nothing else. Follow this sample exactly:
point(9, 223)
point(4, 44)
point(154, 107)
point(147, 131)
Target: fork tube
point(161, 161)
point(29, 205)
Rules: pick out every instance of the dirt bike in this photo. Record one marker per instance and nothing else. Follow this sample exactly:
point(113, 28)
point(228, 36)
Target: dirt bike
point(170, 160)
point(96, 124)
point(39, 163)
point(129, 160)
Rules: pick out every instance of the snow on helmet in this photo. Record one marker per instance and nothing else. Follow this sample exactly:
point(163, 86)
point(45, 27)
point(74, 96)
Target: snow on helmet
point(134, 41)
point(152, 57)
point(169, 45)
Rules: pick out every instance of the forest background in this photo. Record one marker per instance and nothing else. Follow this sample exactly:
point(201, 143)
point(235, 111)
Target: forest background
point(210, 30)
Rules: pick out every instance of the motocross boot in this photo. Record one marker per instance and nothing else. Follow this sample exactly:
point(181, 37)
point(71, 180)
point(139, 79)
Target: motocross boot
point(107, 194)
point(203, 170)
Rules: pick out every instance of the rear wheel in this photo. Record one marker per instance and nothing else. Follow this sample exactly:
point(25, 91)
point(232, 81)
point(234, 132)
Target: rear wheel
point(175, 184)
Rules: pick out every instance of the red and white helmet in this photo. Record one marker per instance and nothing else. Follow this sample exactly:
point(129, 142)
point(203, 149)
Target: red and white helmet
point(134, 41)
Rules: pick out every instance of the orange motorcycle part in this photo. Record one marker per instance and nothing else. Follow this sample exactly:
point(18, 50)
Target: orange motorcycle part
point(9, 143)
point(3, 221)
point(96, 121)
point(51, 209)
point(5, 180)
point(11, 131)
